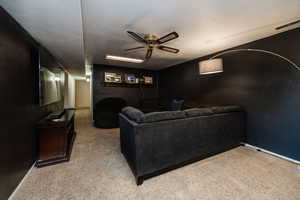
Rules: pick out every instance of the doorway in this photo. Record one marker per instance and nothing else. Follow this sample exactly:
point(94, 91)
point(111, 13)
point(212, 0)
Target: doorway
point(83, 95)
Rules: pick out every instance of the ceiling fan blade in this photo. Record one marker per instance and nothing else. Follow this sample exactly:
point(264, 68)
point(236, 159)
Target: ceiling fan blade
point(149, 53)
point(135, 48)
point(168, 49)
point(136, 37)
point(166, 38)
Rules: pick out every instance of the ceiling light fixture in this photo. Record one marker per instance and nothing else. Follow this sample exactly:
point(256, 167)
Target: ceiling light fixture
point(57, 78)
point(211, 66)
point(123, 59)
point(215, 65)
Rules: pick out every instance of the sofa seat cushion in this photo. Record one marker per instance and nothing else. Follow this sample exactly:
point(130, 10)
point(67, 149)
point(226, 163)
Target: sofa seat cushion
point(224, 109)
point(133, 113)
point(194, 112)
point(161, 116)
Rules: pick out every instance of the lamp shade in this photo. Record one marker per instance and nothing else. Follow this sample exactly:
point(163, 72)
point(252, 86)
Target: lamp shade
point(211, 66)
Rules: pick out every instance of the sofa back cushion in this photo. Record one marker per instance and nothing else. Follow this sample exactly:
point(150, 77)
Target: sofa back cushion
point(224, 109)
point(161, 116)
point(194, 112)
point(133, 113)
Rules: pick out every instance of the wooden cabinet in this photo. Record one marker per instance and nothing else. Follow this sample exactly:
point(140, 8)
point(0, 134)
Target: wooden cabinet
point(55, 139)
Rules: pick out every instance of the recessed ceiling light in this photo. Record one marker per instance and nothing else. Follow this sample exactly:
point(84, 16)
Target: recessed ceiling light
point(124, 59)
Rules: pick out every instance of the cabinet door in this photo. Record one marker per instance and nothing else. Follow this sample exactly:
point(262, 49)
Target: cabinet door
point(52, 143)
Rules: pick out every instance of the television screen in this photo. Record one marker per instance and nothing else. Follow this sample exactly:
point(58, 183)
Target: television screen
point(49, 86)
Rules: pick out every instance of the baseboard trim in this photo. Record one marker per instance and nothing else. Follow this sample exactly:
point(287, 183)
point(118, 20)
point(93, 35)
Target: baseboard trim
point(272, 153)
point(20, 184)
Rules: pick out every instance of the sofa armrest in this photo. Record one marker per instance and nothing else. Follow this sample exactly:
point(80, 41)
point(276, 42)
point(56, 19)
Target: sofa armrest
point(127, 140)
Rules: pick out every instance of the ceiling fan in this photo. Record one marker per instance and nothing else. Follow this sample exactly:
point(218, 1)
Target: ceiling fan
point(152, 41)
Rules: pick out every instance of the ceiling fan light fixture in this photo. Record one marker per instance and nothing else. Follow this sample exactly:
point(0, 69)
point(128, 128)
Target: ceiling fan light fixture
point(150, 42)
point(123, 59)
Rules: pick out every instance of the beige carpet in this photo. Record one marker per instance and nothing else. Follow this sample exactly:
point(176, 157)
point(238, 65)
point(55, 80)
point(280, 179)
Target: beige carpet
point(97, 170)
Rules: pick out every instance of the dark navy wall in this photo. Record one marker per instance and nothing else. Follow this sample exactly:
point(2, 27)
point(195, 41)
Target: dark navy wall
point(267, 86)
point(20, 110)
point(132, 95)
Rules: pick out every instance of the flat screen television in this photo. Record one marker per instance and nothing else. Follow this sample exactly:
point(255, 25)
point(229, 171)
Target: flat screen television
point(50, 86)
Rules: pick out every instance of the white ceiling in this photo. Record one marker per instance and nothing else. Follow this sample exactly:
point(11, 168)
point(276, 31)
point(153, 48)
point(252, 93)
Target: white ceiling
point(56, 24)
point(83, 32)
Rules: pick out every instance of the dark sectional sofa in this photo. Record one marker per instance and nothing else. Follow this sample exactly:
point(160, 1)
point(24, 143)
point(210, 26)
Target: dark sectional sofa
point(156, 142)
